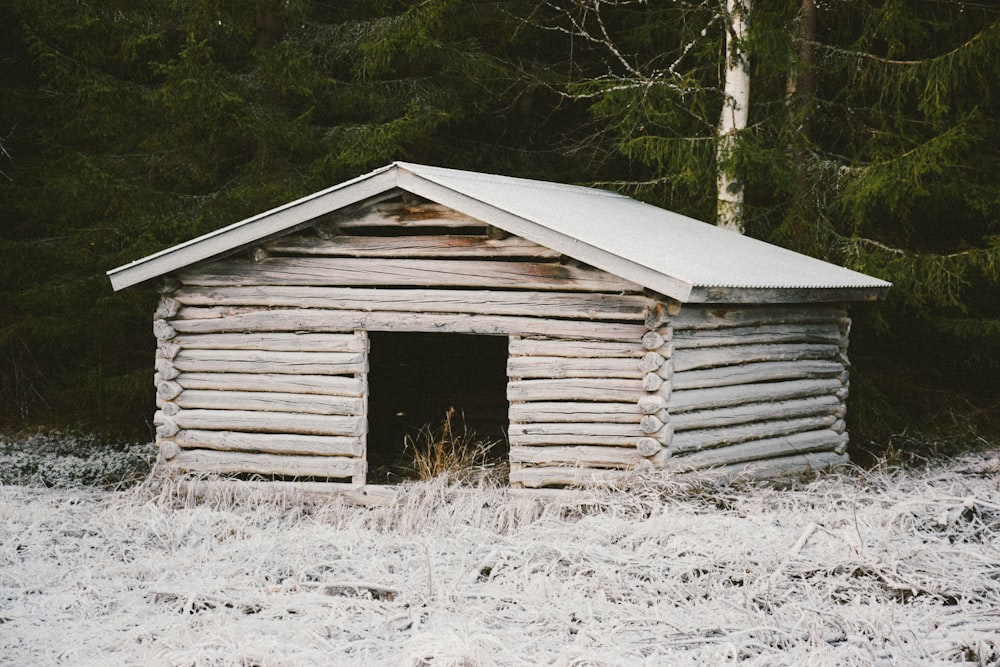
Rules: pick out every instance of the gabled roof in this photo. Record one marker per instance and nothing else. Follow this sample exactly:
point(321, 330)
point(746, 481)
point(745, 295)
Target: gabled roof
point(677, 256)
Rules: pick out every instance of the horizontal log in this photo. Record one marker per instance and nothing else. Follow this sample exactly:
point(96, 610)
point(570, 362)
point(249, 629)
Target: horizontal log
point(580, 412)
point(826, 332)
point(574, 305)
point(654, 381)
point(588, 439)
point(397, 214)
point(537, 476)
point(207, 461)
point(275, 342)
point(534, 347)
point(693, 440)
point(267, 422)
point(599, 457)
point(798, 443)
point(717, 397)
point(660, 313)
point(265, 401)
point(167, 308)
point(566, 367)
point(168, 389)
point(691, 359)
point(165, 369)
point(284, 443)
point(244, 490)
point(651, 404)
point(772, 468)
point(251, 361)
point(623, 431)
point(350, 320)
point(768, 371)
point(454, 245)
point(753, 412)
point(693, 316)
point(330, 385)
point(162, 330)
point(647, 447)
point(167, 349)
point(652, 340)
point(351, 272)
point(651, 361)
point(576, 389)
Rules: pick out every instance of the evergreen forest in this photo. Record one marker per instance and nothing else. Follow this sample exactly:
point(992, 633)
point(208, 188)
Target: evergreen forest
point(871, 139)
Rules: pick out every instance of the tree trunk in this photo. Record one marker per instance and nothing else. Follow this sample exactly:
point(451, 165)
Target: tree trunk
point(733, 120)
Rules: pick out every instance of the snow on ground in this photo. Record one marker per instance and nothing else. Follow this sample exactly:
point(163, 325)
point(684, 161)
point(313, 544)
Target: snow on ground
point(866, 569)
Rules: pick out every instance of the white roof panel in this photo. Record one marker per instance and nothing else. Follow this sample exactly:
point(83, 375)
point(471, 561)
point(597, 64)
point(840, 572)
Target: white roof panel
point(699, 254)
point(670, 253)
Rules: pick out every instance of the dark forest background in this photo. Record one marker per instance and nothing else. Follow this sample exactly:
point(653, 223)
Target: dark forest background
point(128, 126)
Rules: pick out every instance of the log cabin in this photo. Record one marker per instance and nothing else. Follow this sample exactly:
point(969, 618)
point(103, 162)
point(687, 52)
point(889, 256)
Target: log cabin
point(595, 335)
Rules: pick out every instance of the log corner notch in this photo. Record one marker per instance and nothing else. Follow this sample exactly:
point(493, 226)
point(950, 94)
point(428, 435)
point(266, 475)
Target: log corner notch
point(656, 367)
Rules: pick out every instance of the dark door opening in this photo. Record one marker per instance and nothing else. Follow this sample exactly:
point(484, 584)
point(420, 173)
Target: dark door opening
point(414, 379)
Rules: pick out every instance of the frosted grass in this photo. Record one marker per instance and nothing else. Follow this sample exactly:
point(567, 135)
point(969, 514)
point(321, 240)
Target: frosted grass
point(864, 569)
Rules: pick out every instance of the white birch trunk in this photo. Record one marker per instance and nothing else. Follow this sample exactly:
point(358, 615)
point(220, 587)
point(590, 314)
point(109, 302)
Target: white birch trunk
point(736, 102)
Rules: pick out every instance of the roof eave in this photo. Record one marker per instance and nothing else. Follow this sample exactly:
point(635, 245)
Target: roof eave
point(788, 294)
point(255, 229)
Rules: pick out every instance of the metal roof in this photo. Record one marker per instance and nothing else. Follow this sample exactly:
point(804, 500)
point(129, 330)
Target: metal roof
point(677, 256)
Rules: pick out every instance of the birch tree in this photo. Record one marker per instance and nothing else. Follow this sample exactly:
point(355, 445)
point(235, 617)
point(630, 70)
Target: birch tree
point(733, 119)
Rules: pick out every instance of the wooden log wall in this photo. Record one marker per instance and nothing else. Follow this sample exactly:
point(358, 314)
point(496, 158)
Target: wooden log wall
point(262, 357)
point(759, 389)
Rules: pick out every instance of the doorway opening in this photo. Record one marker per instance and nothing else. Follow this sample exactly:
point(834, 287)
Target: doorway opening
point(423, 387)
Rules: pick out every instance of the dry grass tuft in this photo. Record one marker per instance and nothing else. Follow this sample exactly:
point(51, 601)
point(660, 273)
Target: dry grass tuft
point(450, 450)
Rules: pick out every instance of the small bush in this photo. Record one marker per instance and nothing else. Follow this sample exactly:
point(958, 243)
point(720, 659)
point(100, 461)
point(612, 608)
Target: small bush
point(57, 459)
point(450, 449)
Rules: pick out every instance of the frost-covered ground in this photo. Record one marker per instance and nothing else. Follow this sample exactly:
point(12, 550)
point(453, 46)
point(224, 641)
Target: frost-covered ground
point(870, 568)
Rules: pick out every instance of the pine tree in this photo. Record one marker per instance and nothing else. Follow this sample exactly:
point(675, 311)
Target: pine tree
point(134, 125)
point(871, 141)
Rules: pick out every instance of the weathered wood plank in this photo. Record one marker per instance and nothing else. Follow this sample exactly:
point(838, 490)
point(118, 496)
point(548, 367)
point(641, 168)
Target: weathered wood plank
point(623, 430)
point(284, 443)
point(596, 456)
point(564, 367)
point(229, 463)
point(827, 332)
point(717, 397)
point(396, 214)
point(266, 422)
point(754, 412)
point(302, 384)
point(350, 320)
point(253, 361)
point(786, 466)
point(274, 342)
point(575, 412)
point(484, 302)
point(693, 440)
point(772, 371)
point(583, 439)
point(798, 443)
point(690, 359)
point(410, 246)
point(538, 476)
point(693, 316)
point(348, 272)
point(535, 347)
point(576, 389)
point(270, 402)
